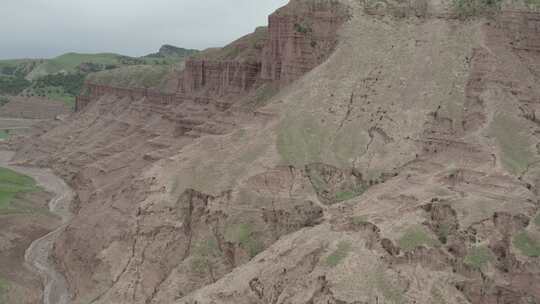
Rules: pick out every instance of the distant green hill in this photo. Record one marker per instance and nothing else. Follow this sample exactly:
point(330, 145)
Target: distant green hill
point(136, 76)
point(169, 52)
point(61, 78)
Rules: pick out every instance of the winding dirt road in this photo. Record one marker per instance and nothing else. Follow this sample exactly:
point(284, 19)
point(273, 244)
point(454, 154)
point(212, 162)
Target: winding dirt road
point(37, 256)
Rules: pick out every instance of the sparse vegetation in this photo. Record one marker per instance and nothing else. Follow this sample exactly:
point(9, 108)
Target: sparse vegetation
point(243, 234)
point(359, 220)
point(533, 4)
point(3, 101)
point(62, 78)
point(343, 249)
point(436, 296)
point(527, 244)
point(203, 256)
point(473, 8)
point(443, 232)
point(11, 184)
point(302, 139)
point(514, 145)
point(416, 236)
point(4, 287)
point(263, 94)
point(537, 220)
point(70, 83)
point(329, 192)
point(63, 87)
point(391, 293)
point(4, 134)
point(301, 28)
point(347, 194)
point(13, 85)
point(132, 76)
point(478, 257)
point(168, 54)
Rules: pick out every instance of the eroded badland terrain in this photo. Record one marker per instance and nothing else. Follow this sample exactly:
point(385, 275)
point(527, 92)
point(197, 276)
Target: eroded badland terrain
point(350, 152)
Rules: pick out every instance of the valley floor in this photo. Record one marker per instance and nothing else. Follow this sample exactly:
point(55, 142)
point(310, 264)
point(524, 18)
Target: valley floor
point(29, 219)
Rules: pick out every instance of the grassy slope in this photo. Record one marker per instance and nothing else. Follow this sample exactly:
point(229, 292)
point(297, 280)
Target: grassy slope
point(146, 71)
point(70, 61)
point(4, 286)
point(11, 184)
point(132, 76)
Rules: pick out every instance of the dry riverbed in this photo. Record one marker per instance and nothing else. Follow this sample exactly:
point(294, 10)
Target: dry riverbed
point(28, 228)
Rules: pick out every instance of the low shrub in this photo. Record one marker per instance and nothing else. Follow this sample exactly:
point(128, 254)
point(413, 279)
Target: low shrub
point(473, 8)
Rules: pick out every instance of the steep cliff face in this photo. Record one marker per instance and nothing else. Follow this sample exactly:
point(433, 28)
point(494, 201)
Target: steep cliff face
point(219, 79)
point(300, 36)
point(397, 158)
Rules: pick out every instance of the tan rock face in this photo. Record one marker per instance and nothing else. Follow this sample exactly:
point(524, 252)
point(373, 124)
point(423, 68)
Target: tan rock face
point(301, 36)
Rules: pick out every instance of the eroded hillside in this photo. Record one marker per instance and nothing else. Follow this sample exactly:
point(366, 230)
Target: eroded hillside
point(349, 153)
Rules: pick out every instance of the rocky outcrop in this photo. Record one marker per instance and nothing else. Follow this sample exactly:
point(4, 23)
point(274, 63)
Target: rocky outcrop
point(524, 28)
point(219, 78)
point(94, 91)
point(299, 37)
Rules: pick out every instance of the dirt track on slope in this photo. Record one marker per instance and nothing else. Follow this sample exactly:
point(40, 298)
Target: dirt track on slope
point(37, 256)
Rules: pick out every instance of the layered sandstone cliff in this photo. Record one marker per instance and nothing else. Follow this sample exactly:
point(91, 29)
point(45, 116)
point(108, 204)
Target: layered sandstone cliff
point(299, 37)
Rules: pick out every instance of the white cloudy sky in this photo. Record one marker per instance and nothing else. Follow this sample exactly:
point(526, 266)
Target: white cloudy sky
point(46, 28)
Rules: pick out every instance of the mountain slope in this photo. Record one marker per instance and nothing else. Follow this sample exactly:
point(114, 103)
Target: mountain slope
point(383, 169)
point(62, 77)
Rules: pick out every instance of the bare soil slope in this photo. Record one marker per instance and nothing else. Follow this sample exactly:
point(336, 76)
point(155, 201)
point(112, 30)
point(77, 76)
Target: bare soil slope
point(403, 169)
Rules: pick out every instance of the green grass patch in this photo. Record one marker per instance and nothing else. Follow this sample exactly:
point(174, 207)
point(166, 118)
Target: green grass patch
point(138, 76)
point(478, 257)
point(437, 296)
point(203, 254)
point(537, 220)
point(391, 292)
point(473, 8)
point(347, 195)
point(330, 193)
point(415, 237)
point(4, 134)
point(302, 140)
point(69, 63)
point(3, 101)
point(11, 184)
point(4, 288)
point(359, 220)
point(13, 85)
point(303, 29)
point(527, 244)
point(339, 254)
point(263, 94)
point(317, 180)
point(514, 145)
point(244, 235)
point(52, 93)
point(533, 4)
point(443, 232)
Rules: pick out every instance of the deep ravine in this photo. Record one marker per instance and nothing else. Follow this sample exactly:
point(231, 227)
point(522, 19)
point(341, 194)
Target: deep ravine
point(37, 256)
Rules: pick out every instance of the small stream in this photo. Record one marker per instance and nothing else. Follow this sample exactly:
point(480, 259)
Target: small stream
point(37, 256)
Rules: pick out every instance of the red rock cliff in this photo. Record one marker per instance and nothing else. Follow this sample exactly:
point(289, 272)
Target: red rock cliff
point(300, 36)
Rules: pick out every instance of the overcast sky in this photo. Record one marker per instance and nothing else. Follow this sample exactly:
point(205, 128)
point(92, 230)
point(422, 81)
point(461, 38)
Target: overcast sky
point(47, 28)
